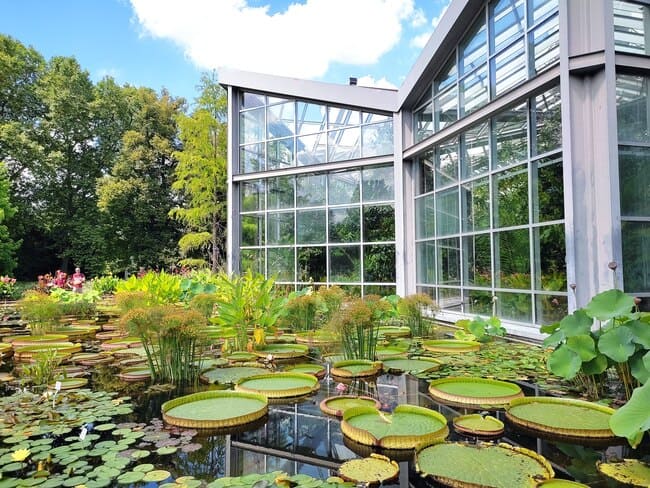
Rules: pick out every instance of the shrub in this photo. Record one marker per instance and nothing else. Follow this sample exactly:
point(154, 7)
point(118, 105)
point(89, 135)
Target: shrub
point(105, 285)
point(41, 311)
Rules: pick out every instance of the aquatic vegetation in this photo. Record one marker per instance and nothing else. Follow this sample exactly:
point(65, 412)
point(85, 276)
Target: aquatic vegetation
point(415, 312)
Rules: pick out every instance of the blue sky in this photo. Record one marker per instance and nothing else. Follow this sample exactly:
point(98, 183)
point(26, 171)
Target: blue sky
point(169, 43)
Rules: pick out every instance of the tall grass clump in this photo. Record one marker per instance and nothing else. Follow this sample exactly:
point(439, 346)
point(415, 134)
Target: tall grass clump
point(41, 311)
point(357, 324)
point(412, 311)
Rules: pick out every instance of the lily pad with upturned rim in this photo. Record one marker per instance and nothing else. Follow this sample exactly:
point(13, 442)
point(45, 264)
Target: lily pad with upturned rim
point(337, 405)
point(560, 483)
point(279, 385)
point(477, 424)
point(562, 417)
point(241, 356)
point(317, 370)
point(282, 351)
point(407, 427)
point(483, 465)
point(215, 409)
point(371, 470)
point(230, 374)
point(415, 365)
point(632, 472)
point(474, 392)
point(356, 368)
point(451, 346)
point(383, 352)
point(390, 331)
point(71, 383)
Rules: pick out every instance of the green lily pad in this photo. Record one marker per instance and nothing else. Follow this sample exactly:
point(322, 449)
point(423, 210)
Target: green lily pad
point(633, 418)
point(11, 467)
point(99, 483)
point(75, 480)
point(156, 476)
point(139, 454)
point(105, 427)
point(164, 451)
point(629, 471)
point(144, 468)
point(338, 405)
point(230, 375)
point(477, 392)
point(371, 470)
point(130, 477)
point(279, 385)
point(413, 365)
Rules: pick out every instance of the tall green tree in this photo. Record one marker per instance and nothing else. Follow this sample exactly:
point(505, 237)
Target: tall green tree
point(8, 246)
point(135, 198)
point(201, 177)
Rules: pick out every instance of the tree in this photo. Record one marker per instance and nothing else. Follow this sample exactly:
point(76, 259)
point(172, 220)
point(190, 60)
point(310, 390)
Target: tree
point(136, 196)
point(7, 246)
point(201, 177)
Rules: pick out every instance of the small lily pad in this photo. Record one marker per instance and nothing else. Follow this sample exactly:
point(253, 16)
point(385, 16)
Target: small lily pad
point(163, 451)
point(105, 427)
point(75, 481)
point(143, 468)
point(156, 476)
point(130, 477)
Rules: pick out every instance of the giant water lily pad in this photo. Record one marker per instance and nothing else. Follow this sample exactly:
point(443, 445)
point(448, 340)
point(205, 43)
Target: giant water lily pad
point(241, 357)
point(390, 331)
point(308, 368)
point(629, 471)
point(282, 351)
point(371, 470)
point(279, 385)
point(474, 392)
point(356, 368)
point(317, 338)
point(337, 405)
point(230, 375)
point(406, 428)
point(483, 465)
point(451, 346)
point(215, 409)
point(393, 350)
point(562, 417)
point(560, 483)
point(71, 383)
point(415, 365)
point(24, 340)
point(477, 424)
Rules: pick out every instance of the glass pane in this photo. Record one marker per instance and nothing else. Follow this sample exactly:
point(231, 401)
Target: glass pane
point(512, 259)
point(281, 120)
point(510, 129)
point(344, 187)
point(424, 122)
point(251, 126)
point(252, 230)
point(280, 192)
point(382, 291)
point(447, 221)
point(474, 91)
point(424, 217)
point(311, 118)
point(281, 263)
point(632, 108)
point(550, 308)
point(511, 197)
point(447, 163)
point(507, 22)
point(446, 105)
point(312, 264)
point(426, 262)
point(377, 139)
point(636, 259)
point(344, 144)
point(280, 228)
point(251, 259)
point(448, 252)
point(476, 205)
point(546, 45)
point(251, 158)
point(424, 175)
point(547, 116)
point(449, 299)
point(377, 184)
point(251, 100)
point(345, 264)
point(280, 153)
point(252, 195)
point(478, 260)
point(548, 193)
point(475, 156)
point(344, 225)
point(634, 177)
point(515, 306)
point(310, 190)
point(379, 263)
point(378, 223)
point(541, 9)
point(509, 68)
point(473, 50)
point(342, 117)
point(368, 118)
point(311, 227)
point(631, 27)
point(478, 302)
point(447, 76)
point(550, 258)
point(311, 149)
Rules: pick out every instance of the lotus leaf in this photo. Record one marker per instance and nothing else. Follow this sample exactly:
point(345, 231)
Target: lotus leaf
point(130, 477)
point(609, 304)
point(497, 466)
point(617, 344)
point(629, 471)
point(156, 476)
point(633, 418)
point(370, 470)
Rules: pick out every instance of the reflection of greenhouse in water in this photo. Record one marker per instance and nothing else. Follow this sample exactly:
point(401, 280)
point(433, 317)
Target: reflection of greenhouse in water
point(511, 163)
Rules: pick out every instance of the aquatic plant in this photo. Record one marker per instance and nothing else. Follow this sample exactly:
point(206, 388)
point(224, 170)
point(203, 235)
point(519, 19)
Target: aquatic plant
point(41, 311)
point(413, 310)
point(333, 298)
point(105, 285)
point(161, 287)
point(82, 305)
point(303, 311)
point(43, 370)
point(203, 303)
point(356, 325)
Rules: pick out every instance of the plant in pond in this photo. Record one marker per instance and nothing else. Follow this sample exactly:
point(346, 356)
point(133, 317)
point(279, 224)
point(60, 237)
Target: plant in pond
point(203, 303)
point(128, 300)
point(198, 282)
point(161, 287)
point(332, 297)
point(621, 339)
point(172, 339)
point(43, 370)
point(41, 311)
point(303, 311)
point(78, 304)
point(632, 420)
point(480, 329)
point(8, 288)
point(246, 302)
point(357, 327)
point(414, 311)
point(105, 285)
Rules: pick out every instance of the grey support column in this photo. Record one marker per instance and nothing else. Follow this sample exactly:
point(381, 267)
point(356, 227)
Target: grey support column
point(589, 138)
point(232, 239)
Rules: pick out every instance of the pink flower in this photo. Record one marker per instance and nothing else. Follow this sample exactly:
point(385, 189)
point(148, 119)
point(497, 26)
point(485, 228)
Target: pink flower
point(341, 388)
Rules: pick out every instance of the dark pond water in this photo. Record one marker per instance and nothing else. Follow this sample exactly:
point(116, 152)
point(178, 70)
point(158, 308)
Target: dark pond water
point(299, 439)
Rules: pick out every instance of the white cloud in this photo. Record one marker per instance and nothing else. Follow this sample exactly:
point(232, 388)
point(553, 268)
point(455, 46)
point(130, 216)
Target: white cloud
point(420, 40)
point(436, 20)
point(301, 41)
point(418, 19)
point(373, 83)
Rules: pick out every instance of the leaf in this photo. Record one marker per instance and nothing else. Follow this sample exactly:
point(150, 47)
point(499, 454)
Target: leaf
point(554, 339)
point(609, 304)
point(617, 344)
point(564, 362)
point(583, 345)
point(578, 323)
point(638, 366)
point(550, 328)
point(596, 366)
point(633, 418)
point(640, 331)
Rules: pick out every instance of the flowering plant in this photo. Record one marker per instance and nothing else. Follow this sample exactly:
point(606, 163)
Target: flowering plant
point(7, 287)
